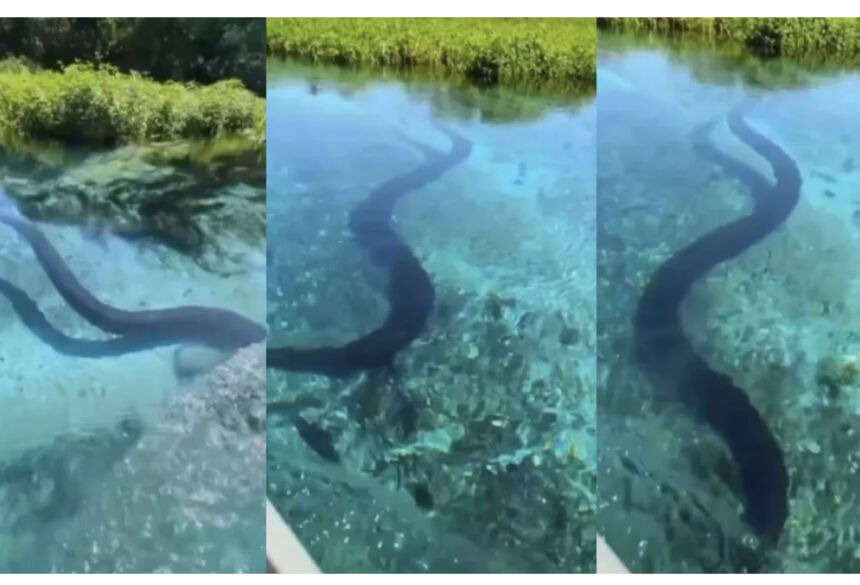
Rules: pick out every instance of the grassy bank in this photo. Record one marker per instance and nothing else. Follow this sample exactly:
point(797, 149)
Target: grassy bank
point(204, 50)
point(507, 51)
point(819, 39)
point(102, 107)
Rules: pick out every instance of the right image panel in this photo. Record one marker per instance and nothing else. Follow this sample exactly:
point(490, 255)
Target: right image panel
point(728, 214)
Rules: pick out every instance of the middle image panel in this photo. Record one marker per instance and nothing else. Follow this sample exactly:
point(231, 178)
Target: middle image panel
point(431, 306)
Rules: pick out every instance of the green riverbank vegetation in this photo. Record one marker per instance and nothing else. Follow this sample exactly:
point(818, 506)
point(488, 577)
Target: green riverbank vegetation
point(532, 52)
point(85, 105)
point(815, 39)
point(202, 50)
point(106, 82)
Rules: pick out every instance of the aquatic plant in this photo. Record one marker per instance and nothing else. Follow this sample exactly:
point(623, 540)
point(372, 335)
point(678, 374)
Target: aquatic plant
point(821, 39)
point(508, 51)
point(99, 106)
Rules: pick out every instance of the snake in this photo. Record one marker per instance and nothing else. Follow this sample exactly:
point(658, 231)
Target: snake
point(211, 326)
point(661, 342)
point(409, 291)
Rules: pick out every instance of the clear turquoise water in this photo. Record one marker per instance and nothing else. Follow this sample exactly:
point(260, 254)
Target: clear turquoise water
point(772, 319)
point(113, 464)
point(496, 469)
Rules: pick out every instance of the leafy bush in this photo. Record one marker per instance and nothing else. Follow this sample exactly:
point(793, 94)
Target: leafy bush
point(204, 50)
point(102, 107)
point(508, 51)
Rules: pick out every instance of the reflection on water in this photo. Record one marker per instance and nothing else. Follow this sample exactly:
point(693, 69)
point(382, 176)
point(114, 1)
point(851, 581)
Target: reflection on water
point(475, 450)
point(715, 62)
point(780, 319)
point(126, 457)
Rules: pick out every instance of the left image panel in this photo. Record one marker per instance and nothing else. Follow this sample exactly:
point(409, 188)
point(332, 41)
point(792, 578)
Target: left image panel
point(132, 295)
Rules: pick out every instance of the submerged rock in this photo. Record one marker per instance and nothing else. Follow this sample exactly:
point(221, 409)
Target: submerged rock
point(569, 336)
point(169, 192)
point(194, 478)
point(50, 482)
point(838, 372)
point(192, 360)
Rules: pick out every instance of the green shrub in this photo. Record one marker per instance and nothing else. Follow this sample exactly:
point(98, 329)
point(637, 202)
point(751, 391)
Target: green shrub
point(102, 107)
point(204, 50)
point(507, 51)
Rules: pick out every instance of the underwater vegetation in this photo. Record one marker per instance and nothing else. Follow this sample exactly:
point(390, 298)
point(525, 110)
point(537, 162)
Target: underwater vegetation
point(815, 39)
point(99, 106)
point(509, 51)
point(204, 198)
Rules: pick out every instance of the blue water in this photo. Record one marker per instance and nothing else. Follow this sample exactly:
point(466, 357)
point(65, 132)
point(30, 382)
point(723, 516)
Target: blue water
point(114, 463)
point(780, 319)
point(476, 450)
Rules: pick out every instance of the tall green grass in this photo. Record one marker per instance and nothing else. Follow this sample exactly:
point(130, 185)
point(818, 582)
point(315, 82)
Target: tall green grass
point(102, 107)
point(204, 50)
point(507, 51)
point(820, 39)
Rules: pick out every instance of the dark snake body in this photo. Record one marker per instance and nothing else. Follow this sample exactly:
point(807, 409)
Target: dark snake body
point(215, 327)
point(410, 291)
point(661, 342)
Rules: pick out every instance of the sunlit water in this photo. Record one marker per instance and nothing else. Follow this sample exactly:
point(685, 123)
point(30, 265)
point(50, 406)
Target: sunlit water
point(112, 464)
point(476, 452)
point(781, 319)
